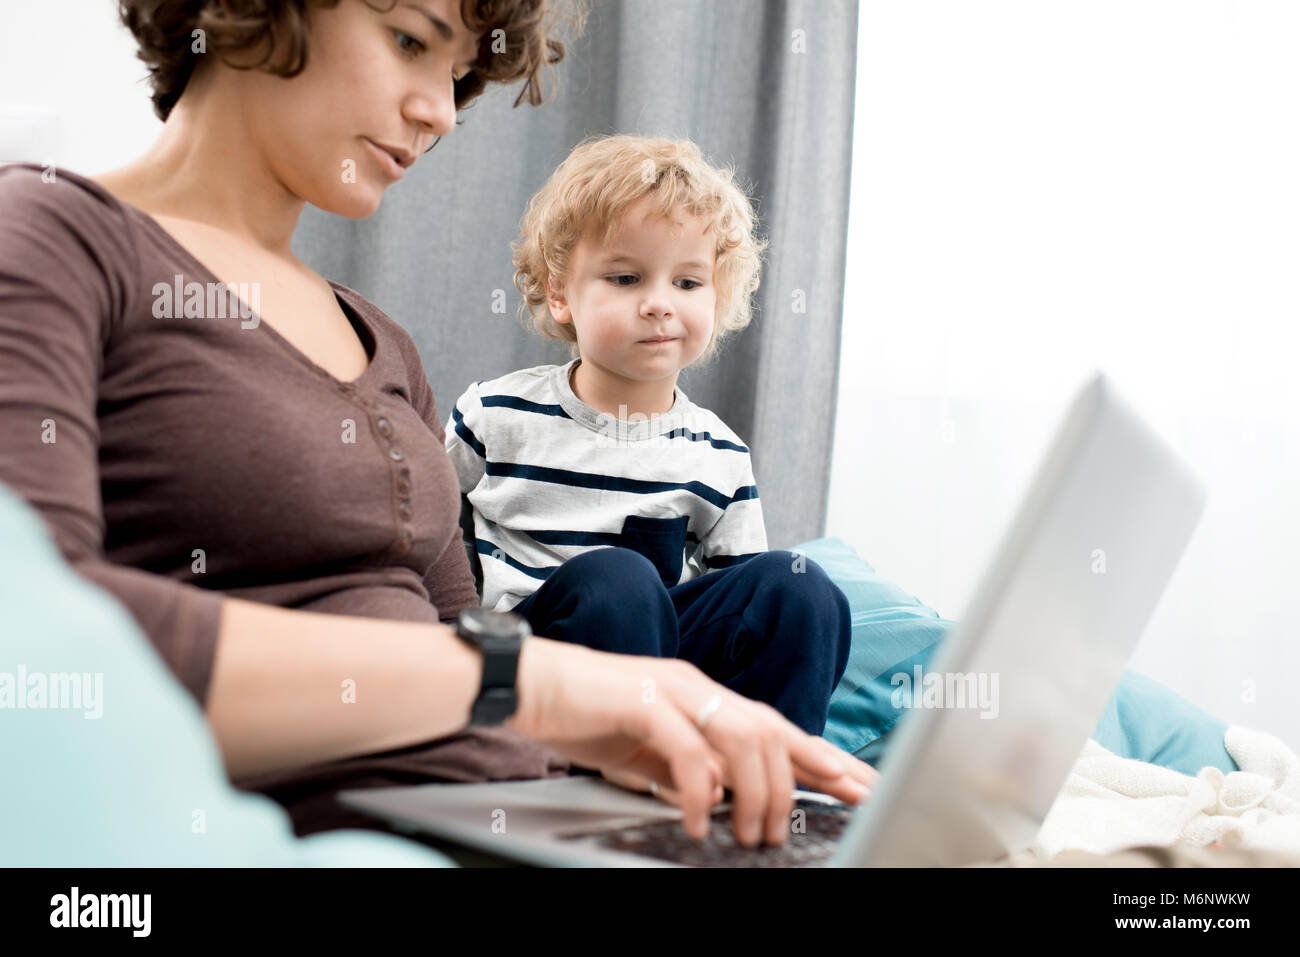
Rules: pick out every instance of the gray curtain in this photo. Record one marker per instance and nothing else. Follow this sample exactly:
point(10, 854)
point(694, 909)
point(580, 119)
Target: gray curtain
point(764, 85)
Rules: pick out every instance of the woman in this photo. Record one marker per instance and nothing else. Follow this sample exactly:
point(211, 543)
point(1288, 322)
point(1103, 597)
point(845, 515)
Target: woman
point(266, 489)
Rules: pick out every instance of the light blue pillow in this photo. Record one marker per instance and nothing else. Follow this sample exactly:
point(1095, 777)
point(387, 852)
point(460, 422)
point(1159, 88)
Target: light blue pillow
point(131, 775)
point(1149, 722)
point(894, 631)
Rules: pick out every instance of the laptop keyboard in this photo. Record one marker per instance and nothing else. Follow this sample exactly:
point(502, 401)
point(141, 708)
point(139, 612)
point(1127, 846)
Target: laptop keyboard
point(822, 825)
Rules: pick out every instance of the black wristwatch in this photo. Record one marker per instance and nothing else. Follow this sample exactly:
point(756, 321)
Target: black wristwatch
point(499, 635)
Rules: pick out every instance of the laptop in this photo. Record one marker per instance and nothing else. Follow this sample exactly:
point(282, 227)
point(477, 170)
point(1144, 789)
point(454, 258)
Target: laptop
point(969, 776)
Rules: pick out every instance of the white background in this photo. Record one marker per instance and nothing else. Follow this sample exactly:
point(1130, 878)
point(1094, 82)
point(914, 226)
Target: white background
point(1041, 188)
point(72, 61)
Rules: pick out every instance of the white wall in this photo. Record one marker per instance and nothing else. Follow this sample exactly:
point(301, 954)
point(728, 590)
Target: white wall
point(1044, 188)
point(71, 89)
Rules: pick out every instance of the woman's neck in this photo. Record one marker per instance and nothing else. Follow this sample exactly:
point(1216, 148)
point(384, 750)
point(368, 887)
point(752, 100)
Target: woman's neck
point(203, 167)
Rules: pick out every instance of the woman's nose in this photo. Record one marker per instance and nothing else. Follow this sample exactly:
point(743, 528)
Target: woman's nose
point(433, 110)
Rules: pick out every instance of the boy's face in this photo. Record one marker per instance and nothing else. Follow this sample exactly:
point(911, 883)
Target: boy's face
point(642, 306)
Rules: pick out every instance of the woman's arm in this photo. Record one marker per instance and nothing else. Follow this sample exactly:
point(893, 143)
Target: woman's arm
point(291, 688)
point(276, 702)
point(69, 275)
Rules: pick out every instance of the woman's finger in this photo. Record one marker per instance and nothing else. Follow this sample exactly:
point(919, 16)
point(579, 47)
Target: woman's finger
point(731, 733)
point(693, 771)
point(666, 792)
point(819, 765)
point(649, 773)
point(669, 795)
point(628, 780)
point(780, 776)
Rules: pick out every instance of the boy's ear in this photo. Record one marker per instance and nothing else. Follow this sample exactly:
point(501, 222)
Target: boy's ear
point(556, 300)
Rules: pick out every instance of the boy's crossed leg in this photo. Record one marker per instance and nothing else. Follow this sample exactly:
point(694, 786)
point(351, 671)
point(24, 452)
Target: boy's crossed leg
point(774, 628)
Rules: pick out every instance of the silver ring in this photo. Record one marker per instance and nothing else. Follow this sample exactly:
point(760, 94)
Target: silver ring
point(707, 712)
point(654, 788)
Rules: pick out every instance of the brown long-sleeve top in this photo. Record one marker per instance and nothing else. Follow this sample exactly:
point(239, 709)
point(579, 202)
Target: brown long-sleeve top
point(180, 460)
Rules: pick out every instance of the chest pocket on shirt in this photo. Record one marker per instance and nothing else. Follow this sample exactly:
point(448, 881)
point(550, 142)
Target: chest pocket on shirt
point(662, 540)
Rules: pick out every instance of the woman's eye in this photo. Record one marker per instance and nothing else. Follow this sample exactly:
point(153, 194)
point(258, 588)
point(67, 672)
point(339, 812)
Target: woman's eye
point(413, 49)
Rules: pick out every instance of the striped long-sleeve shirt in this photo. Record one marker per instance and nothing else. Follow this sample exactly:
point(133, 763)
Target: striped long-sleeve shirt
point(549, 478)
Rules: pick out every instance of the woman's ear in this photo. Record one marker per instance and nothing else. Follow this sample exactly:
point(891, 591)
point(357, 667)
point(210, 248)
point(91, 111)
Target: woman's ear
point(556, 300)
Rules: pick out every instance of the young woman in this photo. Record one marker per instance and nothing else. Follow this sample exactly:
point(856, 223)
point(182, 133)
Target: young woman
point(265, 486)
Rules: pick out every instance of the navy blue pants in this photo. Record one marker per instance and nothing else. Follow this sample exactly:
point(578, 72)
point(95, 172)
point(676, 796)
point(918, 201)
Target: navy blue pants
point(774, 628)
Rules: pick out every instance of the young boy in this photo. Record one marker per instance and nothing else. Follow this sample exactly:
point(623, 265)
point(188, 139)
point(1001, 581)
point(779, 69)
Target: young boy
point(610, 510)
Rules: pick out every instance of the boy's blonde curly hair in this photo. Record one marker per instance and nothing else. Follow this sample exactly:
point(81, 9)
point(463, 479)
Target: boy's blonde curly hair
point(587, 196)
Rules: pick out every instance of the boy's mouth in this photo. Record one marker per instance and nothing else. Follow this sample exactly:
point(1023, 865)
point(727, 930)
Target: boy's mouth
point(658, 340)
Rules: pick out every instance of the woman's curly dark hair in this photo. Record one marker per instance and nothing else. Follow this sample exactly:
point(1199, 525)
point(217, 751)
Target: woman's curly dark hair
point(163, 29)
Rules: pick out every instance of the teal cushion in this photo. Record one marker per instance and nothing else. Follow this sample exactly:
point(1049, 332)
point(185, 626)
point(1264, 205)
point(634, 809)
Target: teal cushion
point(1149, 722)
point(127, 773)
point(894, 631)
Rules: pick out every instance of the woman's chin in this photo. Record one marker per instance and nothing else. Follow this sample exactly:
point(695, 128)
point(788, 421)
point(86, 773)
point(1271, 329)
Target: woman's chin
point(353, 200)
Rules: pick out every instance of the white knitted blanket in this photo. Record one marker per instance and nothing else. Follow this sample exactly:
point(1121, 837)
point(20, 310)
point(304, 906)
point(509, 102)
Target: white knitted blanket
point(1109, 803)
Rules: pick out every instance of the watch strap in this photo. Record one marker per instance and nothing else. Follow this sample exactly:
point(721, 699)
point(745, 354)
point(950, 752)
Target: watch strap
point(497, 698)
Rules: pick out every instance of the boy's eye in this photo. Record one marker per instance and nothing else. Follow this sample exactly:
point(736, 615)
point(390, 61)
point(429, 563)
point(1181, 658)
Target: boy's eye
point(412, 49)
point(694, 283)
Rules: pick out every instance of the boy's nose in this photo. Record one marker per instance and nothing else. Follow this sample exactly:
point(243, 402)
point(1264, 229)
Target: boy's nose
point(656, 304)
point(656, 311)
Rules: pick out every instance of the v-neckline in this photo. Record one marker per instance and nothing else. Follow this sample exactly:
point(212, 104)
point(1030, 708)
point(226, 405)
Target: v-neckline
point(348, 311)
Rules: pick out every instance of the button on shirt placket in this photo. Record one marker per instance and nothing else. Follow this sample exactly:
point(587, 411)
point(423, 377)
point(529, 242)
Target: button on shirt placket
point(402, 482)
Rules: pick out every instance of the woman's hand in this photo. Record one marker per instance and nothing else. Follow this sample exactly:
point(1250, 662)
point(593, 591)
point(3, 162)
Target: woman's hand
point(635, 716)
point(635, 782)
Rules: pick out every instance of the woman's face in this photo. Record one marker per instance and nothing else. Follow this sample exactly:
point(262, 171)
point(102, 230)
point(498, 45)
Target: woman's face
point(373, 79)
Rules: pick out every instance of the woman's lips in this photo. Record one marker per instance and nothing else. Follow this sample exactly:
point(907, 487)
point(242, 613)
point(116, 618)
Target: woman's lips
point(395, 172)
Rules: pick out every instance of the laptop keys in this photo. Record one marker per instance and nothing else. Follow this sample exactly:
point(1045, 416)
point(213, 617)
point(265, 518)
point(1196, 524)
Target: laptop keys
point(811, 844)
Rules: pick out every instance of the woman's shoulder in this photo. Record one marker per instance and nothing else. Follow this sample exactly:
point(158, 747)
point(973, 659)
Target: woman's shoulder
point(65, 197)
point(67, 243)
point(56, 215)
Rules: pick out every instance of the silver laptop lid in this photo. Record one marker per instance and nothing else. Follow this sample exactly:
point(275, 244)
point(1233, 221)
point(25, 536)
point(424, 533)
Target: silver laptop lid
point(1023, 678)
